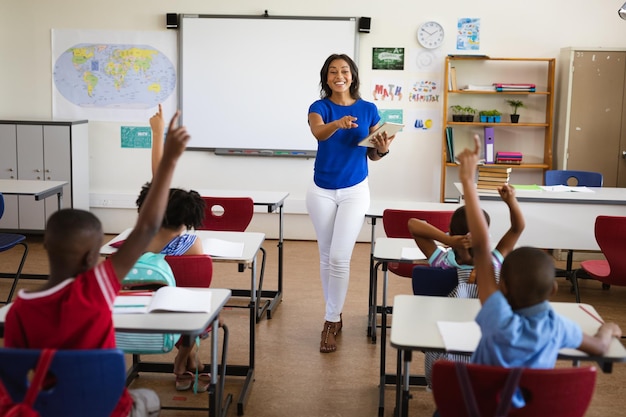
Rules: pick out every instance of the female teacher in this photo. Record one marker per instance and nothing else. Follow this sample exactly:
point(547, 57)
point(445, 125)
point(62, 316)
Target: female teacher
point(339, 195)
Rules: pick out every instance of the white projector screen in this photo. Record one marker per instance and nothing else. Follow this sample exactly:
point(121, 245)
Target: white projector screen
point(246, 82)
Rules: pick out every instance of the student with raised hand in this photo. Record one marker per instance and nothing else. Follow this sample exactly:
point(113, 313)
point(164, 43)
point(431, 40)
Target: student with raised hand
point(185, 211)
point(339, 195)
point(459, 255)
point(519, 327)
point(73, 309)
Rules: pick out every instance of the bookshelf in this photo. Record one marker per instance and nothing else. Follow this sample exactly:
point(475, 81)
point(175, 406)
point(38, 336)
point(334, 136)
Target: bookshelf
point(470, 82)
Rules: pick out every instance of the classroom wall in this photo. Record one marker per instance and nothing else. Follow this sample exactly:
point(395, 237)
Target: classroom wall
point(533, 28)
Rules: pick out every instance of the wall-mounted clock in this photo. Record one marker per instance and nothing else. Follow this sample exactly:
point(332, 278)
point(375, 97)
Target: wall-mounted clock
point(430, 35)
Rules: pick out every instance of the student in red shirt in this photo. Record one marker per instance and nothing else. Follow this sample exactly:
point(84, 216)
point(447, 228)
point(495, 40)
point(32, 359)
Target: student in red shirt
point(73, 309)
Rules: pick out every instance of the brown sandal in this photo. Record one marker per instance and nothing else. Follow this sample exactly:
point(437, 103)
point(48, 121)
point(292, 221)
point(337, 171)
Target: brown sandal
point(329, 343)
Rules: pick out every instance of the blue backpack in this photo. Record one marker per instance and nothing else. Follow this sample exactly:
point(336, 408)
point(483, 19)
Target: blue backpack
point(150, 272)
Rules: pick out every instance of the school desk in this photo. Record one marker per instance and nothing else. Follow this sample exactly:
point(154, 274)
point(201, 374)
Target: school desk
point(252, 243)
point(189, 325)
point(389, 249)
point(38, 189)
point(409, 334)
point(555, 219)
point(274, 201)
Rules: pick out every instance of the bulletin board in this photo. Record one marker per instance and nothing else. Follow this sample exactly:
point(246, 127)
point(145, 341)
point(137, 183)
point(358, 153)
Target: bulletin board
point(246, 82)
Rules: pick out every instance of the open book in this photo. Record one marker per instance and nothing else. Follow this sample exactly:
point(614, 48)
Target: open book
point(164, 299)
point(389, 127)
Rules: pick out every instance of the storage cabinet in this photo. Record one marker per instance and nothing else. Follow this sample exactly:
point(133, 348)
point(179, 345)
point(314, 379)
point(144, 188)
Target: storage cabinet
point(591, 114)
point(471, 82)
point(43, 151)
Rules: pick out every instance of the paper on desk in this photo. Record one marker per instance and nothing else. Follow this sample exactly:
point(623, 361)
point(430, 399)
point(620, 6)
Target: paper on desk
point(131, 304)
point(566, 188)
point(223, 248)
point(411, 253)
point(459, 336)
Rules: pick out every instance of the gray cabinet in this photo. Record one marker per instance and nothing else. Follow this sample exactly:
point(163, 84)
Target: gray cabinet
point(591, 113)
point(43, 151)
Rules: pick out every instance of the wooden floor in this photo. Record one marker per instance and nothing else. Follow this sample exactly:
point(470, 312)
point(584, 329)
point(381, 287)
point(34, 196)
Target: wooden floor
point(292, 378)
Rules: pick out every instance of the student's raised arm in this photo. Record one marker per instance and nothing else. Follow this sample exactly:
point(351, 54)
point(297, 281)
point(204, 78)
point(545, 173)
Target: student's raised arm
point(157, 124)
point(152, 210)
point(485, 276)
point(509, 239)
point(426, 237)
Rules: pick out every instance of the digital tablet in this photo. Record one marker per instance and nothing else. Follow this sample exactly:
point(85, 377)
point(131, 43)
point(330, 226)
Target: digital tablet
point(389, 127)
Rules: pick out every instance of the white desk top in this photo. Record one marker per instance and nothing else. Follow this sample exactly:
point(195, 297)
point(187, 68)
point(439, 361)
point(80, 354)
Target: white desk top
point(599, 195)
point(414, 323)
point(165, 322)
point(252, 243)
point(376, 209)
point(39, 189)
point(392, 249)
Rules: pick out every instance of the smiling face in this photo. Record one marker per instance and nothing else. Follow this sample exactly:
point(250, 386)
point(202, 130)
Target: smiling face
point(339, 76)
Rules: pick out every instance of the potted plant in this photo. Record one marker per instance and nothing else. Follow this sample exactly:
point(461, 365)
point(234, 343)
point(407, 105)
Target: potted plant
point(457, 113)
point(468, 114)
point(515, 104)
point(483, 114)
point(496, 115)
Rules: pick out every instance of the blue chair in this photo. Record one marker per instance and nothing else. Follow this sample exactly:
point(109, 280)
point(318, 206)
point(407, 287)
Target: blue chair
point(9, 241)
point(577, 178)
point(85, 383)
point(572, 178)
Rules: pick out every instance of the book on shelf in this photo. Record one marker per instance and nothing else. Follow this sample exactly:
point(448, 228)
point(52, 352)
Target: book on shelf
point(493, 186)
point(515, 85)
point(452, 85)
point(494, 169)
point(475, 87)
point(450, 144)
point(503, 89)
point(492, 179)
point(509, 161)
point(509, 155)
point(165, 299)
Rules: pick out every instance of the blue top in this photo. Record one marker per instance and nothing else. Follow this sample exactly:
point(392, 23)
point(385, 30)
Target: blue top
point(340, 161)
point(530, 337)
point(179, 245)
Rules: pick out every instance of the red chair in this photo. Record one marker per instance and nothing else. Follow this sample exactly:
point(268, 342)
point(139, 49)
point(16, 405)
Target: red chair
point(463, 390)
point(233, 214)
point(610, 232)
point(395, 223)
point(191, 270)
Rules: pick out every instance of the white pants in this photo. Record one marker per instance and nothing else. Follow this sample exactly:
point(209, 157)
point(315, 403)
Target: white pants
point(337, 217)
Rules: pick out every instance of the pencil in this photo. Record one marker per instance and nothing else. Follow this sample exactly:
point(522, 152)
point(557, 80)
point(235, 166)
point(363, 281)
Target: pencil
point(598, 319)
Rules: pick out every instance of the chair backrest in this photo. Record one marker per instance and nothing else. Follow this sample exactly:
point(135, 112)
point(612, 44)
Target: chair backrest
point(87, 382)
point(395, 223)
point(1, 205)
point(432, 281)
point(560, 392)
point(191, 270)
point(610, 232)
point(231, 214)
point(573, 178)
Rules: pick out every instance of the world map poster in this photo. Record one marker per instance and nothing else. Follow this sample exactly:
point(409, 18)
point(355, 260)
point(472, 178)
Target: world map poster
point(113, 75)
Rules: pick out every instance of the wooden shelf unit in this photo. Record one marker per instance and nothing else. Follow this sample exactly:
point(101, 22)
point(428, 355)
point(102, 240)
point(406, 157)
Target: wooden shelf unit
point(537, 115)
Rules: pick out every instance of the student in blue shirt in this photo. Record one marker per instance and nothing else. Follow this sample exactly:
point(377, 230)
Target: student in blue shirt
point(339, 195)
point(519, 328)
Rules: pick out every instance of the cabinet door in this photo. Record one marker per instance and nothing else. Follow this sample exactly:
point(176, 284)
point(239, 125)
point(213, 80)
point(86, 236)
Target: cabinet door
point(30, 167)
point(596, 113)
point(8, 171)
point(57, 163)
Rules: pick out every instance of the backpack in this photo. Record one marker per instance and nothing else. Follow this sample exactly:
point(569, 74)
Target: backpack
point(150, 272)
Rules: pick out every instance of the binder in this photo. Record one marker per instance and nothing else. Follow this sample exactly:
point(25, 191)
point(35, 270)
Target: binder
point(489, 144)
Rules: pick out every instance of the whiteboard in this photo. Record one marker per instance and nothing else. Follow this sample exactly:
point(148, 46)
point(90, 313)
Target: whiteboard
point(246, 82)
